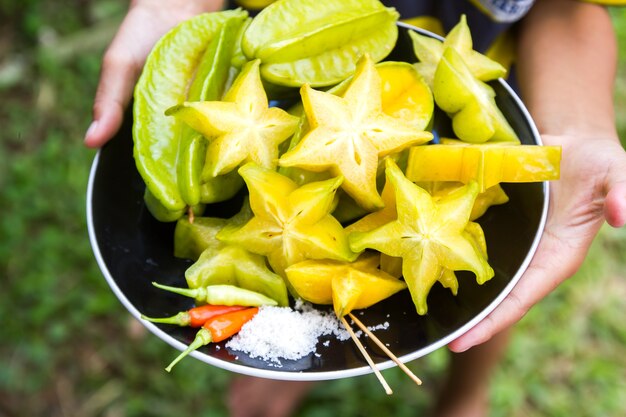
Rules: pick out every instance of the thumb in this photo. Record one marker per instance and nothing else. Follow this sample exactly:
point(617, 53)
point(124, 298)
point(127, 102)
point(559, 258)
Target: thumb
point(118, 76)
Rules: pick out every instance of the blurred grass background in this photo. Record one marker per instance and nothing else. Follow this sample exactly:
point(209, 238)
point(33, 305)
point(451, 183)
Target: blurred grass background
point(69, 348)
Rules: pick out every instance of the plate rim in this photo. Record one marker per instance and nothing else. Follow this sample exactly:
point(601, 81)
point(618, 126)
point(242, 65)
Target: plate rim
point(337, 374)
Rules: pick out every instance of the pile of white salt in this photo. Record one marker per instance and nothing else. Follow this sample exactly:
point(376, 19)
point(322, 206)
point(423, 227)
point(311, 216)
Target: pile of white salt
point(284, 333)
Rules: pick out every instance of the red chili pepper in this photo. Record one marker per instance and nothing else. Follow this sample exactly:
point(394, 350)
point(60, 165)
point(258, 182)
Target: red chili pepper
point(195, 317)
point(217, 329)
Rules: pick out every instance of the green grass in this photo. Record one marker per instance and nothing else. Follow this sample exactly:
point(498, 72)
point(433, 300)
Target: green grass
point(68, 347)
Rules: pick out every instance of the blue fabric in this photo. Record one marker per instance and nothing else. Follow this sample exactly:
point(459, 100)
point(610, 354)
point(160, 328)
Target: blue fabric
point(484, 29)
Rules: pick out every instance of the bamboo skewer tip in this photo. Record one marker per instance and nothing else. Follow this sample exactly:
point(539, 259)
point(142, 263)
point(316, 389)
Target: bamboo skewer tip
point(367, 357)
point(384, 348)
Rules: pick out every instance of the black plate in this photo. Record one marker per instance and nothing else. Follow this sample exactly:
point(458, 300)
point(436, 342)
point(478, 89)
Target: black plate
point(133, 249)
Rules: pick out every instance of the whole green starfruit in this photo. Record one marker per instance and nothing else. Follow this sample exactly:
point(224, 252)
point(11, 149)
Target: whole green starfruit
point(318, 42)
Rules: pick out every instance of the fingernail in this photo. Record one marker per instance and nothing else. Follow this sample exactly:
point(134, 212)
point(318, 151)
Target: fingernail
point(461, 349)
point(92, 128)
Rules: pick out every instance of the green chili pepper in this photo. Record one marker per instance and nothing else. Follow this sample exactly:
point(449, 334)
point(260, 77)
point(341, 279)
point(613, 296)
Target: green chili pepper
point(227, 295)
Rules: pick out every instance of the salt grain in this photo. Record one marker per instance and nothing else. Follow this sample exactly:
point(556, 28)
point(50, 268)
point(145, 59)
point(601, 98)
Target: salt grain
point(383, 326)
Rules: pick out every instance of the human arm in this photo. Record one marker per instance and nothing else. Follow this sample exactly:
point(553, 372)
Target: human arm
point(566, 64)
point(145, 22)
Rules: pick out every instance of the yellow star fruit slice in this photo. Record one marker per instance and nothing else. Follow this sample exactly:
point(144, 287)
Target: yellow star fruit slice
point(474, 233)
point(487, 164)
point(312, 279)
point(290, 223)
point(470, 102)
point(429, 51)
point(362, 289)
point(349, 134)
point(405, 94)
point(242, 128)
point(393, 265)
point(492, 196)
point(347, 286)
point(429, 235)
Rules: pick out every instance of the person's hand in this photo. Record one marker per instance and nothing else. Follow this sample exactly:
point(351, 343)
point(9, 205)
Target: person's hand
point(592, 189)
point(145, 23)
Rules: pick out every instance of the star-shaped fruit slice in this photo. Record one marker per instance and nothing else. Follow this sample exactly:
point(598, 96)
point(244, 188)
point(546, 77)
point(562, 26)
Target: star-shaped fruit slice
point(345, 285)
point(430, 236)
point(404, 93)
point(492, 196)
point(290, 223)
point(393, 265)
point(241, 128)
point(312, 279)
point(429, 51)
point(349, 134)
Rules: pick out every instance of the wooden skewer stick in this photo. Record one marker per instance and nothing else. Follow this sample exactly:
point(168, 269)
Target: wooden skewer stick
point(367, 357)
point(386, 350)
